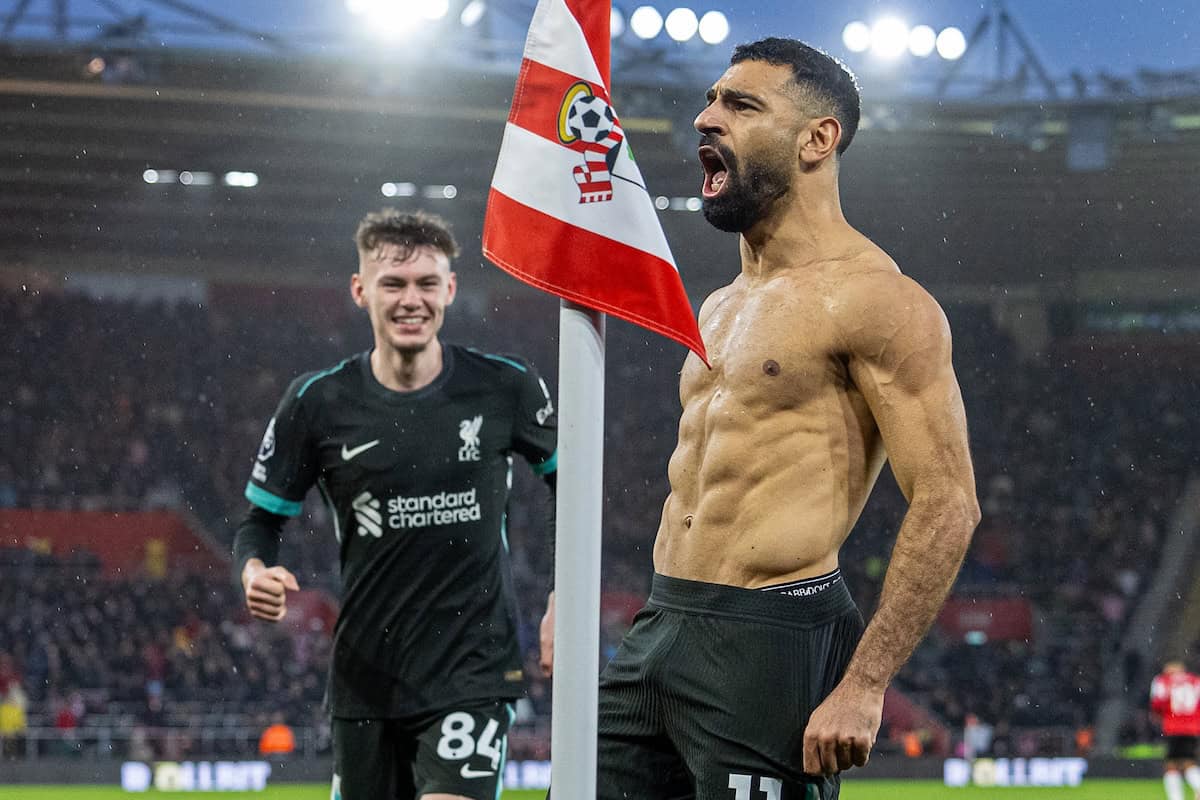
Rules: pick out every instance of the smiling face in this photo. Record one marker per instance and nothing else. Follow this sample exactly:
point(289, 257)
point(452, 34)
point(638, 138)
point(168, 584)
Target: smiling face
point(748, 144)
point(405, 291)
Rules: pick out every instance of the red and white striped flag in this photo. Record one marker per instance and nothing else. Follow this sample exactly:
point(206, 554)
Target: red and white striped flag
point(568, 210)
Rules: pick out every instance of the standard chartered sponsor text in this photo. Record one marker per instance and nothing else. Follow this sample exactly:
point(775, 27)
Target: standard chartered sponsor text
point(443, 508)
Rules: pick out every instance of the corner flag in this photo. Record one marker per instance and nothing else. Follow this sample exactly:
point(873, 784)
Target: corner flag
point(568, 210)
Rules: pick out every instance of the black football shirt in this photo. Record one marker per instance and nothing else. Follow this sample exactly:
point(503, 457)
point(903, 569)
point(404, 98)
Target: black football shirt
point(417, 483)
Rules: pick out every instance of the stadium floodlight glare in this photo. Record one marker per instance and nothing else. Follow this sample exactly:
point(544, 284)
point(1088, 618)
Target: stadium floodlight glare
point(921, 41)
point(472, 12)
point(889, 38)
point(440, 191)
point(616, 23)
point(398, 189)
point(150, 176)
point(857, 37)
point(646, 22)
point(714, 27)
point(951, 44)
point(389, 19)
point(681, 24)
point(198, 178)
point(359, 7)
point(693, 204)
point(662, 203)
point(241, 180)
point(434, 9)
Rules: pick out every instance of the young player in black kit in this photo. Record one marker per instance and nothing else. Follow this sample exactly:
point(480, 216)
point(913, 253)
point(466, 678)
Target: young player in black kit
point(411, 444)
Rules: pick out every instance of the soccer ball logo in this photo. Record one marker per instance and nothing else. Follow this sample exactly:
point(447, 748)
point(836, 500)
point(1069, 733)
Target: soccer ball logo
point(587, 124)
point(590, 119)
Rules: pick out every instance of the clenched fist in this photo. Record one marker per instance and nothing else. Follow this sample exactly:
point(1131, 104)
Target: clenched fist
point(842, 730)
point(266, 589)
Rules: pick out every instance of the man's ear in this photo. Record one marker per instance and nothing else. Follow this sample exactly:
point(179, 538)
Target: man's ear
point(358, 290)
point(819, 140)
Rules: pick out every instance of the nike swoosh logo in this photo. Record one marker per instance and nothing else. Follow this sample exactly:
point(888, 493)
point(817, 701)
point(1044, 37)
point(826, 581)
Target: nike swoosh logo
point(467, 772)
point(348, 454)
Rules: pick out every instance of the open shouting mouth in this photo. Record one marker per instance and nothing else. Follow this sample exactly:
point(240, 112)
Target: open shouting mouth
point(715, 170)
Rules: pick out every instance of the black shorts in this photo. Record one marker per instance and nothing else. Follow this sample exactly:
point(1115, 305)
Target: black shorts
point(1181, 748)
point(460, 751)
point(710, 692)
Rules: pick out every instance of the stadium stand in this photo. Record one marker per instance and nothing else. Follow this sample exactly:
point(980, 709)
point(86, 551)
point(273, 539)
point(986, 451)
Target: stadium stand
point(1079, 461)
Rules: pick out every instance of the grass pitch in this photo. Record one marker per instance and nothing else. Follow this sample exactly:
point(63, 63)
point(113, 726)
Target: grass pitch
point(851, 790)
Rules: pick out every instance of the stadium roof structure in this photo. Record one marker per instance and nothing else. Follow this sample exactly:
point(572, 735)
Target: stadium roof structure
point(1088, 196)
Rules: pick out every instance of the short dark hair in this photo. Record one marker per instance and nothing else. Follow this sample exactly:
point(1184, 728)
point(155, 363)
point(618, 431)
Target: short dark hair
point(826, 80)
point(406, 229)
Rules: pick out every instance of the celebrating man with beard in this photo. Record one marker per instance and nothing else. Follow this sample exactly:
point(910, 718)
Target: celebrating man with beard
point(749, 673)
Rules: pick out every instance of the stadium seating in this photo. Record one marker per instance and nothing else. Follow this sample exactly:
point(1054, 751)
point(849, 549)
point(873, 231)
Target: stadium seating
point(154, 404)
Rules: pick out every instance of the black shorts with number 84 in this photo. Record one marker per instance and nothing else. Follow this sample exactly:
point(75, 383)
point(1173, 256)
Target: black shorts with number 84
point(453, 752)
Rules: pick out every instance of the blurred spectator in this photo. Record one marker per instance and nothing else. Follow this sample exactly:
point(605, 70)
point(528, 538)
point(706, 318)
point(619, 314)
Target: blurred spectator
point(8, 672)
point(66, 720)
point(277, 740)
point(977, 737)
point(139, 744)
point(12, 722)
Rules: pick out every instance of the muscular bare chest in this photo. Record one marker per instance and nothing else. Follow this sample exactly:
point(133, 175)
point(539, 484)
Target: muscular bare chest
point(771, 349)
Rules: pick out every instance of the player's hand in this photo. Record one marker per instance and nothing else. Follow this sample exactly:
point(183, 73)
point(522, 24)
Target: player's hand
point(266, 589)
point(842, 730)
point(546, 638)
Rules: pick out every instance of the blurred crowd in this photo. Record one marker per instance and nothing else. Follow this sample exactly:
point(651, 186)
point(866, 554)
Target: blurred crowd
point(92, 653)
point(124, 404)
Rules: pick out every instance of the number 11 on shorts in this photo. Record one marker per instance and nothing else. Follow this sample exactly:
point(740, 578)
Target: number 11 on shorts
point(743, 785)
point(771, 788)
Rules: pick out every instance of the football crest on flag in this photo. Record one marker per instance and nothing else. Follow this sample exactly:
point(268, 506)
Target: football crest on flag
point(589, 126)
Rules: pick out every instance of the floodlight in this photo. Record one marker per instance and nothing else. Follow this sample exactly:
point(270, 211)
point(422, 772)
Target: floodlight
point(616, 23)
point(389, 20)
point(951, 44)
point(646, 22)
point(434, 9)
point(714, 27)
point(857, 37)
point(241, 180)
point(472, 12)
point(889, 38)
point(681, 24)
point(397, 189)
point(921, 41)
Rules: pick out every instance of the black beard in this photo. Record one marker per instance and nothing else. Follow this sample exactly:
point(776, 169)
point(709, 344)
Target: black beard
point(744, 201)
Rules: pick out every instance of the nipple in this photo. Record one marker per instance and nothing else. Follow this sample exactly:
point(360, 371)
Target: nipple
point(687, 521)
point(771, 367)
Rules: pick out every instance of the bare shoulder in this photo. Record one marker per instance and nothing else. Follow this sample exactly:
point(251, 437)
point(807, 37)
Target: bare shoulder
point(875, 308)
point(715, 299)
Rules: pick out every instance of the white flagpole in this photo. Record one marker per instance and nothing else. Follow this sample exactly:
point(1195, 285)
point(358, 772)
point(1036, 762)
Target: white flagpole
point(577, 553)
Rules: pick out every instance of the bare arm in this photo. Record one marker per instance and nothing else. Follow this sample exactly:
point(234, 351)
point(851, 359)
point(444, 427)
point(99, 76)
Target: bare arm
point(899, 358)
